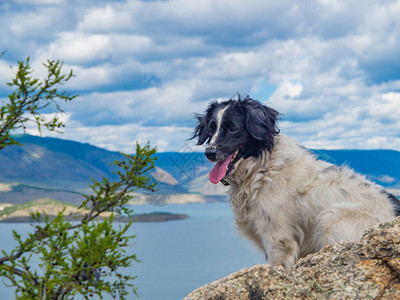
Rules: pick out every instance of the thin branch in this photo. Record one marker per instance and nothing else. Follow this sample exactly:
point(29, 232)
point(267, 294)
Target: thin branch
point(92, 216)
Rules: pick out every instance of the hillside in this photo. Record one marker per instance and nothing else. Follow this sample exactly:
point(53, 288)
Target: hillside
point(56, 163)
point(22, 212)
point(47, 205)
point(61, 169)
point(21, 193)
point(380, 166)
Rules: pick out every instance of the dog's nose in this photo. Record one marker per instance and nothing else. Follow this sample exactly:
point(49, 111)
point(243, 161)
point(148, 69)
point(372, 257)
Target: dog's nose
point(211, 153)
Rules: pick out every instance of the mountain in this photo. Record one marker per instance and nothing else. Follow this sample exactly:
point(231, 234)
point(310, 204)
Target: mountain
point(55, 163)
point(62, 169)
point(18, 193)
point(380, 166)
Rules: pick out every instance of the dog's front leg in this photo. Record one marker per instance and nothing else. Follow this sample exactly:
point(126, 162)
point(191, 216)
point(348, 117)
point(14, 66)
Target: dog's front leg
point(281, 251)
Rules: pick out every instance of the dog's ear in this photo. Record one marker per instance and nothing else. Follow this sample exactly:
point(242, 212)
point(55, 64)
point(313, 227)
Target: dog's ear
point(261, 121)
point(200, 130)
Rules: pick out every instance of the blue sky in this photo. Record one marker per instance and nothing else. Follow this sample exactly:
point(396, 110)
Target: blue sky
point(144, 67)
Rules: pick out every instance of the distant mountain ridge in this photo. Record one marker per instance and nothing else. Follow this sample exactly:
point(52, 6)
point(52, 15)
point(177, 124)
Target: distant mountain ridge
point(53, 162)
point(380, 166)
point(53, 167)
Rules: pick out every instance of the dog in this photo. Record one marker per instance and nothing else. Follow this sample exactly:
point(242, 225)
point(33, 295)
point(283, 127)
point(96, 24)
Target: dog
point(289, 203)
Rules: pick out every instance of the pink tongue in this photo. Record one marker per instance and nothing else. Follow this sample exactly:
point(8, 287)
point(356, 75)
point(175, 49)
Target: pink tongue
point(219, 170)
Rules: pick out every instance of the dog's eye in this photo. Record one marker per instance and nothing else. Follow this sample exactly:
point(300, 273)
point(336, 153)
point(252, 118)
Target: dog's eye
point(232, 129)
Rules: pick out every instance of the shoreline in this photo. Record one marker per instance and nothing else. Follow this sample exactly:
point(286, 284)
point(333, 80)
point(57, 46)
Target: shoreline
point(153, 217)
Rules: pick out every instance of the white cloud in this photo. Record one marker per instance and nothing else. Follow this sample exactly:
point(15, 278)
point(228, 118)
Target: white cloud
point(106, 19)
point(77, 47)
point(325, 65)
point(40, 2)
point(32, 128)
point(156, 105)
point(22, 25)
point(387, 107)
point(334, 4)
point(5, 73)
point(386, 179)
point(124, 137)
point(289, 89)
point(88, 78)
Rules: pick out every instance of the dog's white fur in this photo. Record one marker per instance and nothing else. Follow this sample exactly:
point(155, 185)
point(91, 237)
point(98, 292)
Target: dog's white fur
point(291, 204)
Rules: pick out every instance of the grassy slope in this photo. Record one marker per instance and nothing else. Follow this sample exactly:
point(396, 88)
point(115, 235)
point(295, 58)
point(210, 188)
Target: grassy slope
point(38, 202)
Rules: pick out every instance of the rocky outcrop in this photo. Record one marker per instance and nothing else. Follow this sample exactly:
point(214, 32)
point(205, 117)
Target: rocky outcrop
point(368, 269)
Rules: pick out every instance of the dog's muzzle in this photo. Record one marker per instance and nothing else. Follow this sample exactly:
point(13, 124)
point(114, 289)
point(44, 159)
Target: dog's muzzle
point(211, 152)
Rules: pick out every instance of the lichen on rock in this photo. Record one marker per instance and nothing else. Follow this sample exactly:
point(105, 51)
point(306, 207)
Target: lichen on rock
point(366, 269)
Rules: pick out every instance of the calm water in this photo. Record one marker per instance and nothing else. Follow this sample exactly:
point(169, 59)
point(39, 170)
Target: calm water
point(177, 256)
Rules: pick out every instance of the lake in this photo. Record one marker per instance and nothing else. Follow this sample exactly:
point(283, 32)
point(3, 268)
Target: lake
point(177, 256)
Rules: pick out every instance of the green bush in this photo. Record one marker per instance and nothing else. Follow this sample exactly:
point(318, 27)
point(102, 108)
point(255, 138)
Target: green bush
point(84, 257)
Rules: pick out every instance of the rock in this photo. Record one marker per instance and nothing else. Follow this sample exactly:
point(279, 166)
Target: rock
point(366, 269)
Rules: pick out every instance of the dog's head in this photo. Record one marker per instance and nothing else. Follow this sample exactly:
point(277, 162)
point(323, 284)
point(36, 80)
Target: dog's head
point(235, 130)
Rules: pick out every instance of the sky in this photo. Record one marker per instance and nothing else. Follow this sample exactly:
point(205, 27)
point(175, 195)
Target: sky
point(143, 68)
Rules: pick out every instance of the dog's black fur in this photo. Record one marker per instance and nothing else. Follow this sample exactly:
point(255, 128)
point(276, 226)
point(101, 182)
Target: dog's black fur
point(247, 126)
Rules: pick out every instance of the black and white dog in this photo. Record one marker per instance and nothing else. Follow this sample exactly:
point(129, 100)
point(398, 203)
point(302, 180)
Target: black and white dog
point(284, 199)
